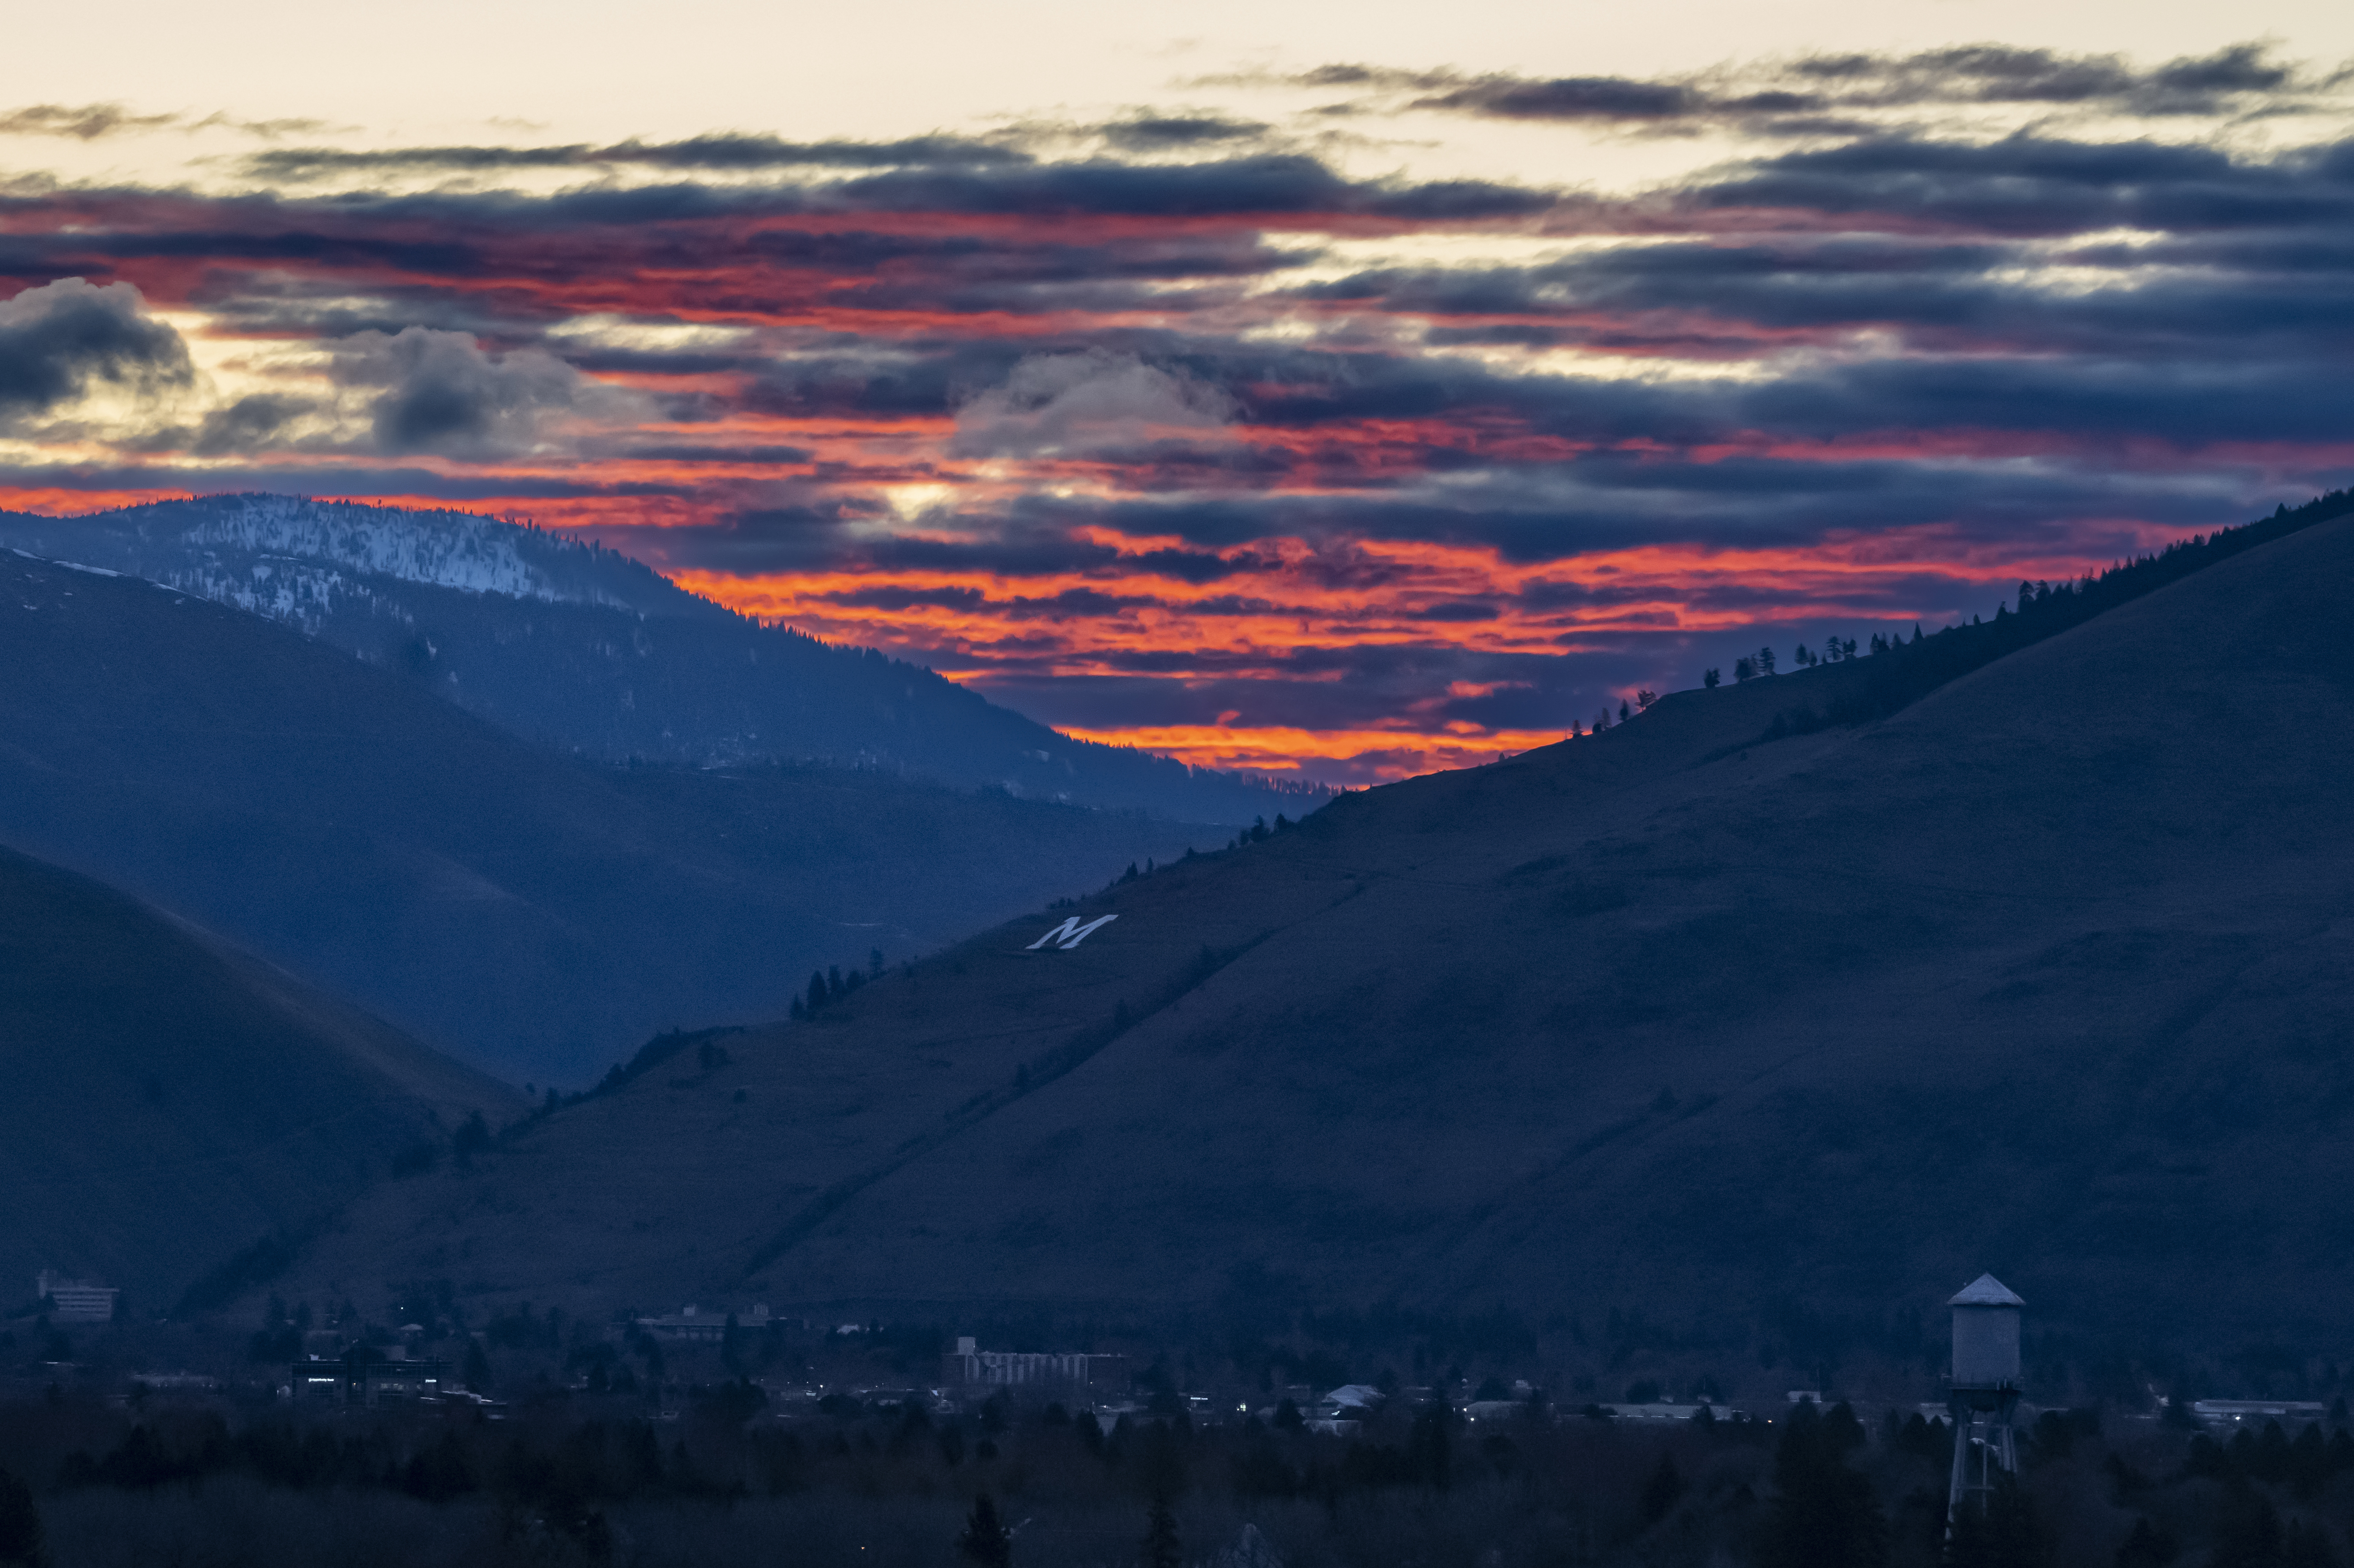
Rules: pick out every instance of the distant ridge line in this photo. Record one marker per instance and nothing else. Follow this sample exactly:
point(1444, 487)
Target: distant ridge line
point(1908, 672)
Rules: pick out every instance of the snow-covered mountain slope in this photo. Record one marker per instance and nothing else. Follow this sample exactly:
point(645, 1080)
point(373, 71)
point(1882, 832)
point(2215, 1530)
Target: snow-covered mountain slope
point(289, 539)
point(583, 647)
point(301, 561)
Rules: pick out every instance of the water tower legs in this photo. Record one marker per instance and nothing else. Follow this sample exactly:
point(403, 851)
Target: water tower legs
point(1983, 1444)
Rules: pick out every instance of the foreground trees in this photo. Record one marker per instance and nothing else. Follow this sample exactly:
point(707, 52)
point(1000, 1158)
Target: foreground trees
point(721, 1478)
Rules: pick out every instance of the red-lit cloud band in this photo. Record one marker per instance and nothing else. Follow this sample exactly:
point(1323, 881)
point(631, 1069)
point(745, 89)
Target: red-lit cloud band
point(1225, 454)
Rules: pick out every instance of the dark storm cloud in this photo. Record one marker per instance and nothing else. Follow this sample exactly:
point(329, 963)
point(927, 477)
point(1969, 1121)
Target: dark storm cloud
point(57, 340)
point(919, 260)
point(2037, 185)
point(1572, 98)
point(1993, 74)
point(265, 242)
point(83, 122)
point(89, 122)
point(323, 479)
point(1865, 339)
point(441, 391)
point(1458, 610)
point(1171, 133)
point(712, 152)
point(415, 243)
point(680, 451)
point(1259, 184)
point(2194, 406)
point(1253, 184)
point(901, 598)
point(249, 424)
point(1557, 514)
point(1620, 502)
point(2175, 389)
point(1825, 94)
point(1941, 293)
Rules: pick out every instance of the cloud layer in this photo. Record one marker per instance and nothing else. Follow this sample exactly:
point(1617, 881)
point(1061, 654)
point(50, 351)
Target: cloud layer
point(1167, 431)
point(59, 340)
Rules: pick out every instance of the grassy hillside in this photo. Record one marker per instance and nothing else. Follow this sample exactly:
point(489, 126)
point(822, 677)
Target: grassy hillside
point(170, 1101)
point(537, 913)
point(2050, 971)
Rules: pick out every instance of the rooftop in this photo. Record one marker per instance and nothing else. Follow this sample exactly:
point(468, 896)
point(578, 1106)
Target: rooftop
point(1985, 1290)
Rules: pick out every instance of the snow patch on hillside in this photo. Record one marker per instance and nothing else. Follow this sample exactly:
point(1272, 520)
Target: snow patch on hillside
point(295, 592)
point(445, 549)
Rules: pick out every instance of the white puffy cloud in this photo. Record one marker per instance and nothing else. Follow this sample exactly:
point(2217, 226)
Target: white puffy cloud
point(1068, 404)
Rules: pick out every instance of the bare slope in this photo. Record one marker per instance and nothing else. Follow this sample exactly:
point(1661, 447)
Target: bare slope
point(2048, 973)
point(169, 1101)
point(537, 913)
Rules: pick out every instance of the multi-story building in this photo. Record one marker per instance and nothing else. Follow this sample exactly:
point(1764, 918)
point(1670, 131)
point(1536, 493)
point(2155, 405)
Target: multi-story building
point(73, 1300)
point(969, 1366)
point(365, 1376)
point(694, 1324)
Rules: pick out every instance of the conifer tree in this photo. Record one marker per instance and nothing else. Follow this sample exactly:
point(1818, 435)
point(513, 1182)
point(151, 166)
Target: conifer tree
point(477, 1371)
point(2147, 1547)
point(2306, 1545)
point(1161, 1549)
point(1824, 1515)
point(20, 1525)
point(1427, 1450)
point(985, 1540)
point(1660, 1492)
point(2247, 1528)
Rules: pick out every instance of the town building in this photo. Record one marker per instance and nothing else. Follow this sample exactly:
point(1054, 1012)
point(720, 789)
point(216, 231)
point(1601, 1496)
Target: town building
point(2230, 1414)
point(73, 1300)
point(366, 1376)
point(691, 1324)
point(969, 1366)
point(1658, 1410)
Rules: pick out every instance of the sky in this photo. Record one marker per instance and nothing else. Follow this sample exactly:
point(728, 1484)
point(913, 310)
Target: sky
point(1337, 392)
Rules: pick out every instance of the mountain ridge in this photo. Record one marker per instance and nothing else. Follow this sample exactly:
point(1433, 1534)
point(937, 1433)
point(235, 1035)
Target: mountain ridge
point(566, 642)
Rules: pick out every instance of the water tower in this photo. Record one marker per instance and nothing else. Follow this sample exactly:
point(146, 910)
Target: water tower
point(1984, 1390)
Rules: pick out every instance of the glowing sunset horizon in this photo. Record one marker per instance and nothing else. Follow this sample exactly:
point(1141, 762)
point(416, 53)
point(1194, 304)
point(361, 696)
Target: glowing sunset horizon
point(1336, 420)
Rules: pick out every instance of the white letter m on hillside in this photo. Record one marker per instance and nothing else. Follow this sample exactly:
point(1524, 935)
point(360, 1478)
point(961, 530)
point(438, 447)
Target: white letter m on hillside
point(1070, 933)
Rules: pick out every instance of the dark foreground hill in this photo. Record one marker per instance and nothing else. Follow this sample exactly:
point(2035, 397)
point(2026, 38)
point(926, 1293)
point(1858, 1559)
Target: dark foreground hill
point(587, 650)
point(536, 914)
point(2049, 972)
point(168, 1099)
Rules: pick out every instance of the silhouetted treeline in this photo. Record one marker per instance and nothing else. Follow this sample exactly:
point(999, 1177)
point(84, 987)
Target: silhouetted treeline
point(1899, 672)
point(723, 1477)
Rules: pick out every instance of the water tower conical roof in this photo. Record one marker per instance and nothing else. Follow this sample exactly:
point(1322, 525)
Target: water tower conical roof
point(1985, 1290)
